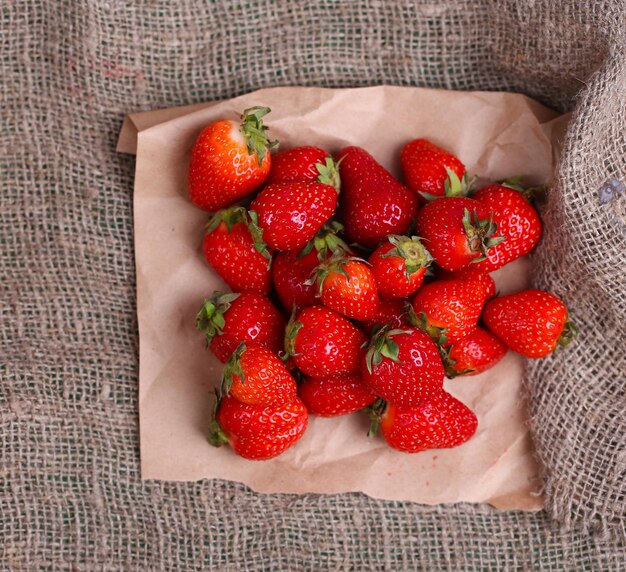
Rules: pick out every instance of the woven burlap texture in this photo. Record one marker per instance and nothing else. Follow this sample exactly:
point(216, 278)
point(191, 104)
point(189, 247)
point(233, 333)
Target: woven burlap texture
point(70, 491)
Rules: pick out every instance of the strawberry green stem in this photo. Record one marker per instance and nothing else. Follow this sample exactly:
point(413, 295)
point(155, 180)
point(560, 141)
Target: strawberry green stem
point(232, 368)
point(210, 319)
point(329, 173)
point(375, 411)
point(411, 250)
point(253, 131)
point(217, 437)
point(480, 233)
point(570, 331)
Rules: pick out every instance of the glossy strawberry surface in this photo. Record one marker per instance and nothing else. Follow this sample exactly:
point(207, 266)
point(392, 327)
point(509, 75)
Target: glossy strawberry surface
point(410, 378)
point(530, 322)
point(324, 343)
point(451, 242)
point(441, 423)
point(517, 221)
point(424, 167)
point(374, 203)
point(450, 305)
point(335, 395)
point(229, 319)
point(348, 287)
point(256, 376)
point(290, 214)
point(297, 164)
point(475, 353)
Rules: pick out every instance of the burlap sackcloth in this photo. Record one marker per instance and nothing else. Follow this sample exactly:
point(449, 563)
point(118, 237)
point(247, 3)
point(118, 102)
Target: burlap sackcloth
point(70, 492)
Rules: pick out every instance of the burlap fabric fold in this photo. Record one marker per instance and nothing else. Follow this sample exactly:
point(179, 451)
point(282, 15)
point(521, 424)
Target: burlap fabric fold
point(70, 493)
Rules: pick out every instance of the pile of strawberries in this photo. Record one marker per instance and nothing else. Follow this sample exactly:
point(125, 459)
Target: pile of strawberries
point(387, 286)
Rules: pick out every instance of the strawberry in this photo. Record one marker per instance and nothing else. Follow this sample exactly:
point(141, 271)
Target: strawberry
point(229, 160)
point(256, 376)
point(391, 312)
point(517, 221)
point(335, 395)
point(236, 417)
point(457, 231)
point(290, 271)
point(374, 203)
point(229, 319)
point(403, 366)
point(323, 343)
point(347, 286)
point(448, 310)
point(257, 432)
point(473, 354)
point(233, 246)
point(430, 171)
point(399, 266)
point(290, 214)
point(441, 423)
point(530, 322)
point(304, 164)
point(473, 273)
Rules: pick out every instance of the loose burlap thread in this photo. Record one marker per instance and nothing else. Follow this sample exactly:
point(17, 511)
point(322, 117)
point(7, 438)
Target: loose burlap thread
point(70, 491)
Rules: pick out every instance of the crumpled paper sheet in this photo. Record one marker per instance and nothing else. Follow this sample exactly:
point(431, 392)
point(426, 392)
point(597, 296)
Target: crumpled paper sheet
point(496, 135)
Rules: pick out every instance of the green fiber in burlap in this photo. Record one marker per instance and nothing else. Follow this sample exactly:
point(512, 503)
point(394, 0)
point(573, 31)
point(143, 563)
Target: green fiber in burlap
point(70, 491)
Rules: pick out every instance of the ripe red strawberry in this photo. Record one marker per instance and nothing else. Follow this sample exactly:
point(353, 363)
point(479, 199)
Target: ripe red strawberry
point(229, 319)
point(448, 310)
point(374, 203)
point(457, 231)
point(256, 376)
point(403, 366)
point(304, 164)
point(323, 343)
point(234, 248)
point(441, 423)
point(290, 214)
point(335, 395)
point(517, 221)
point(473, 273)
point(391, 312)
point(229, 160)
point(347, 286)
point(428, 169)
point(399, 266)
point(474, 354)
point(257, 432)
point(530, 322)
point(291, 272)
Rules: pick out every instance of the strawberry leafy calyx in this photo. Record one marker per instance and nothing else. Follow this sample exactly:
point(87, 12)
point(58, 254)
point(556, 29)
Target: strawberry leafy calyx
point(210, 318)
point(217, 437)
point(411, 250)
point(239, 215)
point(336, 264)
point(453, 186)
point(254, 132)
point(376, 411)
point(480, 233)
point(437, 335)
point(329, 173)
point(291, 331)
point(569, 332)
point(449, 363)
point(534, 195)
point(232, 368)
point(326, 242)
point(382, 345)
